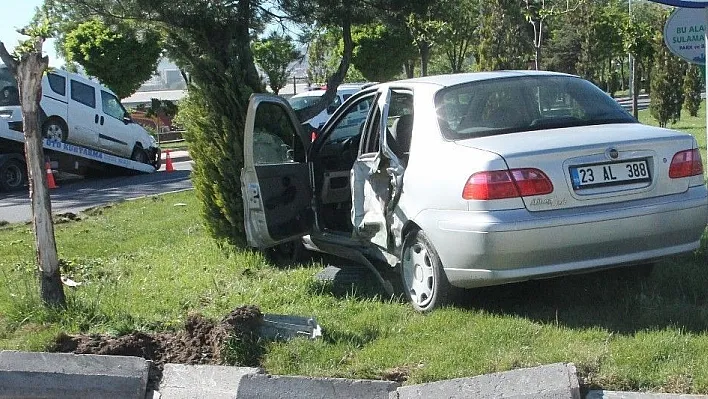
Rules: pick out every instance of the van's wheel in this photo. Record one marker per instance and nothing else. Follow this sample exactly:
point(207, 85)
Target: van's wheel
point(422, 276)
point(139, 154)
point(13, 175)
point(55, 129)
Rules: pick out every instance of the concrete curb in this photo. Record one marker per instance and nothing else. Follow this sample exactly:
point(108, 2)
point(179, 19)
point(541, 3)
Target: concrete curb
point(33, 375)
point(553, 381)
point(183, 381)
point(64, 375)
point(263, 386)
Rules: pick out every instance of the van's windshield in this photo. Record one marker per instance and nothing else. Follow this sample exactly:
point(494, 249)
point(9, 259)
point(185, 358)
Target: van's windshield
point(9, 95)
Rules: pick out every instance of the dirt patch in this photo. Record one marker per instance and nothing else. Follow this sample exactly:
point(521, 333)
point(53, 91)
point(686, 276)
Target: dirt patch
point(66, 217)
point(233, 340)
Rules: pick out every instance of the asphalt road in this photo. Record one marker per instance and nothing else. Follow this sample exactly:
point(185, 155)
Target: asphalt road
point(77, 195)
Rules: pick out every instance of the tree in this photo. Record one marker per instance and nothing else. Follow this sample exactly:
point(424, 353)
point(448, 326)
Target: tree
point(321, 54)
point(666, 95)
point(158, 109)
point(133, 53)
point(637, 39)
point(536, 12)
point(273, 55)
point(211, 40)
point(502, 39)
point(371, 41)
point(692, 87)
point(426, 28)
point(459, 37)
point(28, 66)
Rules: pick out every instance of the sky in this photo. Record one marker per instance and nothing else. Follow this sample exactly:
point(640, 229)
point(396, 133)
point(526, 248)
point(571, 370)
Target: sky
point(17, 16)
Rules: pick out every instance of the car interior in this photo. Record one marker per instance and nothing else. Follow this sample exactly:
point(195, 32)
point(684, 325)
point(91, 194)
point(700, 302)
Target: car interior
point(341, 144)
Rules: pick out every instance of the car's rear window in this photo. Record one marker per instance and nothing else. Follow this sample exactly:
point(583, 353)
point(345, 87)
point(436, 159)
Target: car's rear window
point(509, 105)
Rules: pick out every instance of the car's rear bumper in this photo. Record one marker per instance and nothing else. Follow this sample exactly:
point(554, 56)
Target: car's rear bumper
point(487, 248)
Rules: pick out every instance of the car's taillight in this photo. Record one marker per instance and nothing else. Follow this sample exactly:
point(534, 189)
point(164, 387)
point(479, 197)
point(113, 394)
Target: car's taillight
point(686, 163)
point(498, 184)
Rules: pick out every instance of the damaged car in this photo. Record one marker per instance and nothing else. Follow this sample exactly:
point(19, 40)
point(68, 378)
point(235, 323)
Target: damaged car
point(471, 180)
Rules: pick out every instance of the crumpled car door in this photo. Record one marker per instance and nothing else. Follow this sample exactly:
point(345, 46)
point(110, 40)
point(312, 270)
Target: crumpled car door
point(376, 180)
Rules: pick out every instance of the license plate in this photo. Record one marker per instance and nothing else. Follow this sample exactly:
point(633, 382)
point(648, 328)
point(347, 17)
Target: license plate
point(609, 174)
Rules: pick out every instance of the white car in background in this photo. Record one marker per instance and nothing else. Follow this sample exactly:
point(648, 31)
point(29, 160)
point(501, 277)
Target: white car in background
point(80, 111)
point(310, 97)
point(471, 180)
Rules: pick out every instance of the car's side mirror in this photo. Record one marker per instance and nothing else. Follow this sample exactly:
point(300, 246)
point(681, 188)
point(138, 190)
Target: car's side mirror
point(127, 119)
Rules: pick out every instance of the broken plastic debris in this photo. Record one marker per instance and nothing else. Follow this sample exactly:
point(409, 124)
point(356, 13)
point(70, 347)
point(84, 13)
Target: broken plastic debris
point(69, 282)
point(284, 327)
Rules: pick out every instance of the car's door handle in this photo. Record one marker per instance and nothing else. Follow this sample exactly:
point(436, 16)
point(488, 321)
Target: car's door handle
point(101, 121)
point(95, 118)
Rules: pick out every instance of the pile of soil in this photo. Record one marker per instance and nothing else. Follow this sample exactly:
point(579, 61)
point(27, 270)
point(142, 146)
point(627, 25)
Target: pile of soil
point(201, 342)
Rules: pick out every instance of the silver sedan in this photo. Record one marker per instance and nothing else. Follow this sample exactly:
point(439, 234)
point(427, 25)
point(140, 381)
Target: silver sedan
point(472, 180)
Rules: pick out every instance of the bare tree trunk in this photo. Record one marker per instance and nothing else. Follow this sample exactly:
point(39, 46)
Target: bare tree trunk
point(29, 71)
point(424, 49)
point(635, 92)
point(409, 67)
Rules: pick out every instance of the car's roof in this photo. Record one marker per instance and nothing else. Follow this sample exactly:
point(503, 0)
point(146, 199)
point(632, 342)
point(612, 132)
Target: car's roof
point(458, 78)
point(342, 88)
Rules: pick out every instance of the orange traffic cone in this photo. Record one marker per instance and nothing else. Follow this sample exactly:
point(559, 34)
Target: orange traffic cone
point(168, 162)
point(50, 176)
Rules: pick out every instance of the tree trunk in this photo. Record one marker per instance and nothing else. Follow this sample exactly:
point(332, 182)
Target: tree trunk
point(29, 71)
point(635, 92)
point(424, 49)
point(409, 67)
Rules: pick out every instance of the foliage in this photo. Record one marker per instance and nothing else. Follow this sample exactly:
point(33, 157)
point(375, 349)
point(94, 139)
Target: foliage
point(537, 12)
point(120, 56)
point(371, 41)
point(503, 40)
point(321, 54)
point(273, 55)
point(324, 55)
point(459, 37)
point(666, 84)
point(160, 108)
point(692, 87)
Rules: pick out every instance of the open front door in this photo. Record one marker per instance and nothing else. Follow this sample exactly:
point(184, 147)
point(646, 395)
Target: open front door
point(275, 180)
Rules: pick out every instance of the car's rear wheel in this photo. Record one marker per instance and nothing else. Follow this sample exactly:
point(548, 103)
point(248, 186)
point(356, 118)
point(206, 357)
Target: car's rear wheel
point(13, 175)
point(424, 281)
point(55, 129)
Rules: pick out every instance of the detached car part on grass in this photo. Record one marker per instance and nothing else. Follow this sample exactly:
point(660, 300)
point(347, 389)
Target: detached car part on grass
point(471, 180)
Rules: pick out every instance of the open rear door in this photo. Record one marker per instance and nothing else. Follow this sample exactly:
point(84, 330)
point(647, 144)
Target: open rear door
point(275, 180)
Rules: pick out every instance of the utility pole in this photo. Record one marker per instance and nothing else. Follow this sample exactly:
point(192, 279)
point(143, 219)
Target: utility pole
point(632, 74)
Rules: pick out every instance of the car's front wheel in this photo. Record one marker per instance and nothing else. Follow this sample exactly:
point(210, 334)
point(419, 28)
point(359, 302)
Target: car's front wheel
point(139, 155)
point(424, 281)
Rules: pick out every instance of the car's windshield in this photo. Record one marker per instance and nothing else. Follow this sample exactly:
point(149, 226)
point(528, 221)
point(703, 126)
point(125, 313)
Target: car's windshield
point(9, 95)
point(298, 103)
point(518, 104)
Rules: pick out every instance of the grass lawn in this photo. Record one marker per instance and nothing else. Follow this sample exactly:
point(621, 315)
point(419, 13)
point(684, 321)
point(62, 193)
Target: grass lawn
point(147, 264)
point(175, 145)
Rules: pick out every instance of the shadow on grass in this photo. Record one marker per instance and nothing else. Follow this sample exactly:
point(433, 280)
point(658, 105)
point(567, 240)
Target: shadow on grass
point(672, 294)
point(623, 300)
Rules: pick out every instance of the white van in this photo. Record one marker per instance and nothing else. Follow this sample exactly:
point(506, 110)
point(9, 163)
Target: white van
point(308, 98)
point(80, 111)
